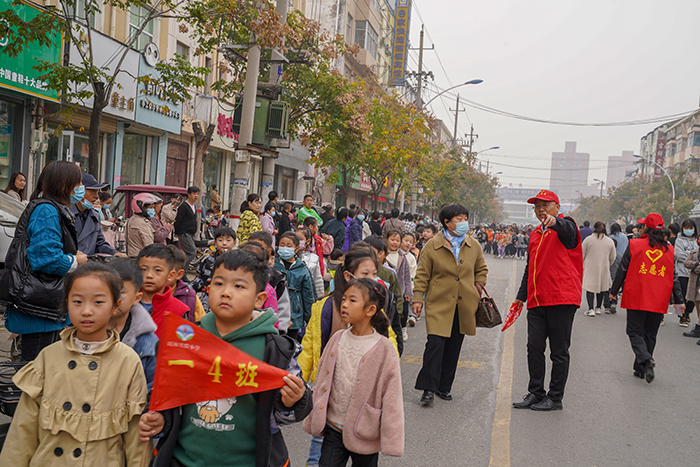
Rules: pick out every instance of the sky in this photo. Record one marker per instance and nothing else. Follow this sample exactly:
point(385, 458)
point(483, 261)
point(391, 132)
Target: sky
point(563, 60)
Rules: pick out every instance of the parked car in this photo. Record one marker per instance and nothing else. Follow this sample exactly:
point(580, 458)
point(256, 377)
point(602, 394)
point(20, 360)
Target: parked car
point(121, 201)
point(10, 210)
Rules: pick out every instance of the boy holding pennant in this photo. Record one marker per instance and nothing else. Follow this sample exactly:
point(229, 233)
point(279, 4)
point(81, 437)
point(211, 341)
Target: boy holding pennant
point(217, 401)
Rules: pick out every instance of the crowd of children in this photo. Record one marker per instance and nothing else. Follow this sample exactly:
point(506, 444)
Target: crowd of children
point(333, 318)
point(504, 242)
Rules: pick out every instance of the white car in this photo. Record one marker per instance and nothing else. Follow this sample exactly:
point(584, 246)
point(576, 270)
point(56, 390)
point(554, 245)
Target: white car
point(10, 210)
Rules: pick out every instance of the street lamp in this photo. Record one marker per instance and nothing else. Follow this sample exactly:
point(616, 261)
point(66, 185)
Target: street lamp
point(601, 185)
point(673, 188)
point(484, 150)
point(474, 81)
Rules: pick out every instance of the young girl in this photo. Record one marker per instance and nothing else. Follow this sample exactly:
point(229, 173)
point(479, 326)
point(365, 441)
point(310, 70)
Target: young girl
point(408, 245)
point(300, 284)
point(311, 260)
point(361, 369)
point(398, 262)
point(82, 396)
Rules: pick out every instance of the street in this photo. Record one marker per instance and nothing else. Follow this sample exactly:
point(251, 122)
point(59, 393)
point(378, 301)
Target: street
point(610, 418)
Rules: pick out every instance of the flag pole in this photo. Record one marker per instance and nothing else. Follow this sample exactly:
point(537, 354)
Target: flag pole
point(144, 454)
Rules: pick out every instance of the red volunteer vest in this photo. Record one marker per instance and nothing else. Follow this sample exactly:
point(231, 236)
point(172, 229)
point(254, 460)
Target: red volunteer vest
point(555, 273)
point(649, 281)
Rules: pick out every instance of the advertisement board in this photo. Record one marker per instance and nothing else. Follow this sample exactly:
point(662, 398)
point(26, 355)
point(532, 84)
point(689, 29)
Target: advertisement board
point(659, 157)
point(399, 52)
point(151, 109)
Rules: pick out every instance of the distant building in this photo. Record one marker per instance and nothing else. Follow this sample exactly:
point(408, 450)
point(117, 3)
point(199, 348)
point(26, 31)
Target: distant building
point(619, 167)
point(569, 173)
point(514, 205)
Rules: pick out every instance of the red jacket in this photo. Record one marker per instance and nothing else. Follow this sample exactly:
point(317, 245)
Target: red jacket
point(555, 273)
point(649, 280)
point(166, 302)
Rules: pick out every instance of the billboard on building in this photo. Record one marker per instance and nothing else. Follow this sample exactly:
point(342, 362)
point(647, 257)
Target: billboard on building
point(659, 156)
point(399, 53)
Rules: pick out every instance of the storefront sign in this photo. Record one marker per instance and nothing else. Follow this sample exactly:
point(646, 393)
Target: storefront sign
point(224, 127)
point(365, 182)
point(151, 107)
point(17, 73)
point(107, 54)
point(659, 157)
point(402, 24)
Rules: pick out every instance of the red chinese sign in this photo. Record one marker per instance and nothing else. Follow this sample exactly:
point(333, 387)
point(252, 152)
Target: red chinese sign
point(193, 366)
point(659, 157)
point(224, 127)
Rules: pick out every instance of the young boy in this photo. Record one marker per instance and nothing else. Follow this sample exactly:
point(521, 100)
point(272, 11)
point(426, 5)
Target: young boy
point(243, 430)
point(157, 264)
point(278, 281)
point(181, 290)
point(133, 323)
point(225, 240)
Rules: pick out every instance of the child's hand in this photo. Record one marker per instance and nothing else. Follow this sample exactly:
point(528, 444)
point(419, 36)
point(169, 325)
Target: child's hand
point(293, 391)
point(150, 424)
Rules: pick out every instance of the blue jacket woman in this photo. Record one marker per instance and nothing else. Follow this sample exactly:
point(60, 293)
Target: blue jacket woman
point(45, 249)
point(302, 293)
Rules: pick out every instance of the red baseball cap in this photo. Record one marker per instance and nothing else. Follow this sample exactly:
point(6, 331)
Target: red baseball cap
point(544, 195)
point(653, 221)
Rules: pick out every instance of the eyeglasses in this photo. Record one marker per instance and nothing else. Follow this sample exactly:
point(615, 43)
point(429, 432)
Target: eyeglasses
point(542, 205)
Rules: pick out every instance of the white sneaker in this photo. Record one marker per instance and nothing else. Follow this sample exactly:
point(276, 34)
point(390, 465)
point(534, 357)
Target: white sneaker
point(590, 313)
point(411, 321)
point(598, 311)
point(405, 334)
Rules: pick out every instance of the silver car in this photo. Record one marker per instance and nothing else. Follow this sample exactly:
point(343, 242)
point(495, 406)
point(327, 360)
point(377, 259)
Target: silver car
point(10, 210)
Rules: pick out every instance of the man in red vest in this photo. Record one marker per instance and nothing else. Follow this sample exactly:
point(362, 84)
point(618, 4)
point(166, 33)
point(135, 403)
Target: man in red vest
point(552, 287)
point(647, 270)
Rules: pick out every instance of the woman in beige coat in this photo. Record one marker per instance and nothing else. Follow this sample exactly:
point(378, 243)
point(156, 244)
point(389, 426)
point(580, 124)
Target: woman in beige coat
point(598, 255)
point(449, 267)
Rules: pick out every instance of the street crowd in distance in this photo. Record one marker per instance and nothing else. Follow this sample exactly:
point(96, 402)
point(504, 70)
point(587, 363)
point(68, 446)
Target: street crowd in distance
point(328, 295)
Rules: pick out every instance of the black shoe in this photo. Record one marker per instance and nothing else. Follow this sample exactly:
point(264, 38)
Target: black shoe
point(446, 396)
point(547, 404)
point(639, 374)
point(698, 342)
point(695, 332)
point(649, 371)
point(527, 401)
point(427, 398)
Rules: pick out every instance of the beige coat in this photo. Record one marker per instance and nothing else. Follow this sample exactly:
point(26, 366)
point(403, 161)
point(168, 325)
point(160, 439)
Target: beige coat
point(448, 285)
point(139, 234)
point(693, 265)
point(78, 410)
point(598, 255)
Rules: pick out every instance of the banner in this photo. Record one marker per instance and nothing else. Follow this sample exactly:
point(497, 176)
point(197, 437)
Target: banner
point(193, 366)
point(399, 52)
point(659, 156)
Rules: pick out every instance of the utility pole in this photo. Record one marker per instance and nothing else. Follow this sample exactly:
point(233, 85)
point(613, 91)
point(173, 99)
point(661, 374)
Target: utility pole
point(245, 139)
point(457, 111)
point(268, 175)
point(419, 103)
point(472, 138)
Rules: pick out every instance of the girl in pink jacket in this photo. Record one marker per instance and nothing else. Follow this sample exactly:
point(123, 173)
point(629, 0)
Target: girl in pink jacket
point(357, 399)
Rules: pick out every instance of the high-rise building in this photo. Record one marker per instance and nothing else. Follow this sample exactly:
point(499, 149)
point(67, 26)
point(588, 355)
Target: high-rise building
point(569, 173)
point(619, 167)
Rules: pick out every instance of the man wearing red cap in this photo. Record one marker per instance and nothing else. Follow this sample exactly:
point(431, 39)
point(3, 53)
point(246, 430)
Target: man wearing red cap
point(551, 285)
point(647, 271)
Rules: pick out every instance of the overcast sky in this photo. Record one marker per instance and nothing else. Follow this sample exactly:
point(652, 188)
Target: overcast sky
point(564, 60)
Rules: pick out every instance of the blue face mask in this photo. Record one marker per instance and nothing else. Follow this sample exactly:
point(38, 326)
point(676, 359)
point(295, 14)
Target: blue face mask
point(461, 228)
point(361, 217)
point(286, 252)
point(688, 232)
point(273, 213)
point(151, 212)
point(78, 195)
point(105, 206)
point(86, 204)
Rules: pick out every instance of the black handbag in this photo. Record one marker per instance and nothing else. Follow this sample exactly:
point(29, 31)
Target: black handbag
point(487, 314)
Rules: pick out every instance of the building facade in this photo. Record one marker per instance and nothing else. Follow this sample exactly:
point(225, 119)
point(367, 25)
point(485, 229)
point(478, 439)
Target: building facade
point(569, 172)
point(515, 207)
point(619, 168)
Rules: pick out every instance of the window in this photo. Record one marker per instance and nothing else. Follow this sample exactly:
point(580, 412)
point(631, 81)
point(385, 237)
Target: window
point(182, 49)
point(348, 30)
point(694, 139)
point(78, 12)
point(140, 14)
point(366, 37)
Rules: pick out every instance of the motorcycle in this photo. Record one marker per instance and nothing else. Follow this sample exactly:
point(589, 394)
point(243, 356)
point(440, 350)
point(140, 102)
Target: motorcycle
point(9, 394)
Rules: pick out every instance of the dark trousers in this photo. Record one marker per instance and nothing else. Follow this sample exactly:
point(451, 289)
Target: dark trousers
point(553, 323)
point(188, 246)
point(689, 306)
point(335, 454)
point(440, 360)
point(642, 327)
point(599, 299)
point(33, 343)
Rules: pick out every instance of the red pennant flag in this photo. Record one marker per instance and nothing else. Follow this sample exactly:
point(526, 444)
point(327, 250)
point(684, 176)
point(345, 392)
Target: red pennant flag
point(194, 365)
point(513, 314)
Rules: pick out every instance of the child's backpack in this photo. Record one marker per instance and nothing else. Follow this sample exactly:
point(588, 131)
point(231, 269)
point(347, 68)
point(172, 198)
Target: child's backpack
point(391, 311)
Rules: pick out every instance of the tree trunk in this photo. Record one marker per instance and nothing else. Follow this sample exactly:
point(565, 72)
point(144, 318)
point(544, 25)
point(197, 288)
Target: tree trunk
point(202, 141)
point(99, 103)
